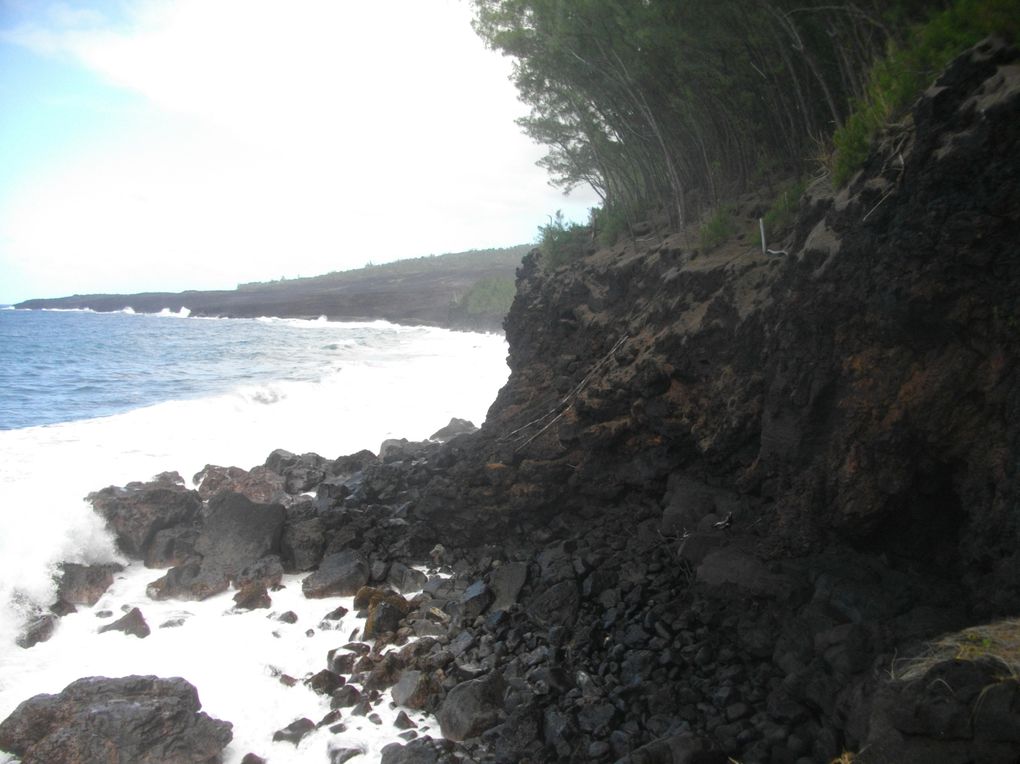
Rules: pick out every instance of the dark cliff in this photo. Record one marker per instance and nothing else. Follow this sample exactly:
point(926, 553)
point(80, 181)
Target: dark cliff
point(827, 437)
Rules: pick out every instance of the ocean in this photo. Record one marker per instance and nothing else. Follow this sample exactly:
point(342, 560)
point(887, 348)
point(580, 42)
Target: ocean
point(89, 400)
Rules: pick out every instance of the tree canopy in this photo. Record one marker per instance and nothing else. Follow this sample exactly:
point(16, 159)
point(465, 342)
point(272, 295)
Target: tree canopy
point(679, 103)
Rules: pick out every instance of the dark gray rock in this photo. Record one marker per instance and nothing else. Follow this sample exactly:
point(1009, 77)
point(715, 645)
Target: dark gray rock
point(265, 573)
point(302, 544)
point(133, 623)
point(506, 583)
point(294, 732)
point(420, 751)
point(474, 601)
point(143, 719)
point(238, 532)
point(405, 579)
point(138, 510)
point(471, 707)
point(676, 749)
point(339, 575)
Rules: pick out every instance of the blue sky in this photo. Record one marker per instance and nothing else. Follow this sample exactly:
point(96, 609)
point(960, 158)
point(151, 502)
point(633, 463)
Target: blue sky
point(196, 144)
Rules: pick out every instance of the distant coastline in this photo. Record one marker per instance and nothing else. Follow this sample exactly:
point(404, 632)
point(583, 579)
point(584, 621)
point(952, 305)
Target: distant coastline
point(468, 291)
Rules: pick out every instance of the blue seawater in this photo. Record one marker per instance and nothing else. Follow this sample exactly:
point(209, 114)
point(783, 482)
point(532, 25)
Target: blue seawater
point(62, 366)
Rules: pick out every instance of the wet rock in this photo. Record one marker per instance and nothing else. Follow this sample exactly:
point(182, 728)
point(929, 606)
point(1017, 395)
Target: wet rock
point(37, 630)
point(325, 682)
point(133, 623)
point(341, 755)
point(238, 532)
point(339, 575)
point(413, 690)
point(471, 707)
point(302, 544)
point(172, 546)
point(405, 579)
point(403, 721)
point(252, 597)
point(138, 510)
point(251, 758)
point(84, 584)
point(188, 582)
point(420, 751)
point(266, 572)
point(294, 732)
point(346, 697)
point(144, 719)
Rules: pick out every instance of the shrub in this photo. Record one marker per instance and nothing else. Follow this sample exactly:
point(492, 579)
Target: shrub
point(562, 241)
point(781, 214)
point(717, 229)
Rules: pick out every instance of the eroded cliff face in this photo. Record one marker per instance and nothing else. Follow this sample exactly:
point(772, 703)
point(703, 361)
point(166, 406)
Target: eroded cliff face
point(861, 390)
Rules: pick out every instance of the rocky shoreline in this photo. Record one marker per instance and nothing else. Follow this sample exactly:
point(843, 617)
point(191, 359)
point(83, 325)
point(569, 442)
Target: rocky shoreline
point(726, 506)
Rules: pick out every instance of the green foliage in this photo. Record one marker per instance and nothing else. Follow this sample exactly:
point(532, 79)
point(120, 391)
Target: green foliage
point(909, 67)
point(669, 104)
point(610, 224)
point(781, 214)
point(562, 241)
point(490, 297)
point(717, 229)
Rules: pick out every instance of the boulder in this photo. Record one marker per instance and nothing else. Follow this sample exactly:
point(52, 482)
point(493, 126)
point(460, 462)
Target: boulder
point(138, 719)
point(453, 429)
point(172, 546)
point(188, 582)
point(39, 629)
point(133, 623)
point(138, 510)
point(413, 689)
point(294, 731)
point(475, 599)
point(506, 583)
point(84, 584)
point(212, 479)
point(420, 751)
point(266, 572)
point(471, 707)
point(339, 575)
point(252, 597)
point(302, 544)
point(405, 579)
point(238, 532)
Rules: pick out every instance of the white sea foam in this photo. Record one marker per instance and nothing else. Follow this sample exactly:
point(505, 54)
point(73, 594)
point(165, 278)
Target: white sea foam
point(409, 387)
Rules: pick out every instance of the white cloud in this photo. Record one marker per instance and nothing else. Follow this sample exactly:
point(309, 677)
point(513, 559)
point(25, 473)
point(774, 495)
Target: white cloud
point(286, 138)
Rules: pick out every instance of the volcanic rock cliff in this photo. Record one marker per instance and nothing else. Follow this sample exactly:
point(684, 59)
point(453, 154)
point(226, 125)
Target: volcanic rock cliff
point(828, 437)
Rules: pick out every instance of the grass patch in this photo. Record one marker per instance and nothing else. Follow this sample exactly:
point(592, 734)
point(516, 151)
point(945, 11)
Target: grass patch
point(998, 642)
point(909, 67)
point(717, 229)
point(782, 213)
point(562, 241)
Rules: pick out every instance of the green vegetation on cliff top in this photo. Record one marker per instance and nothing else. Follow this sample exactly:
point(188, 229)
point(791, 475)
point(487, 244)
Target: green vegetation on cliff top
point(681, 106)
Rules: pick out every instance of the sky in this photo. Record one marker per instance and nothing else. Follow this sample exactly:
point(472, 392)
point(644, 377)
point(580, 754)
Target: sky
point(150, 145)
